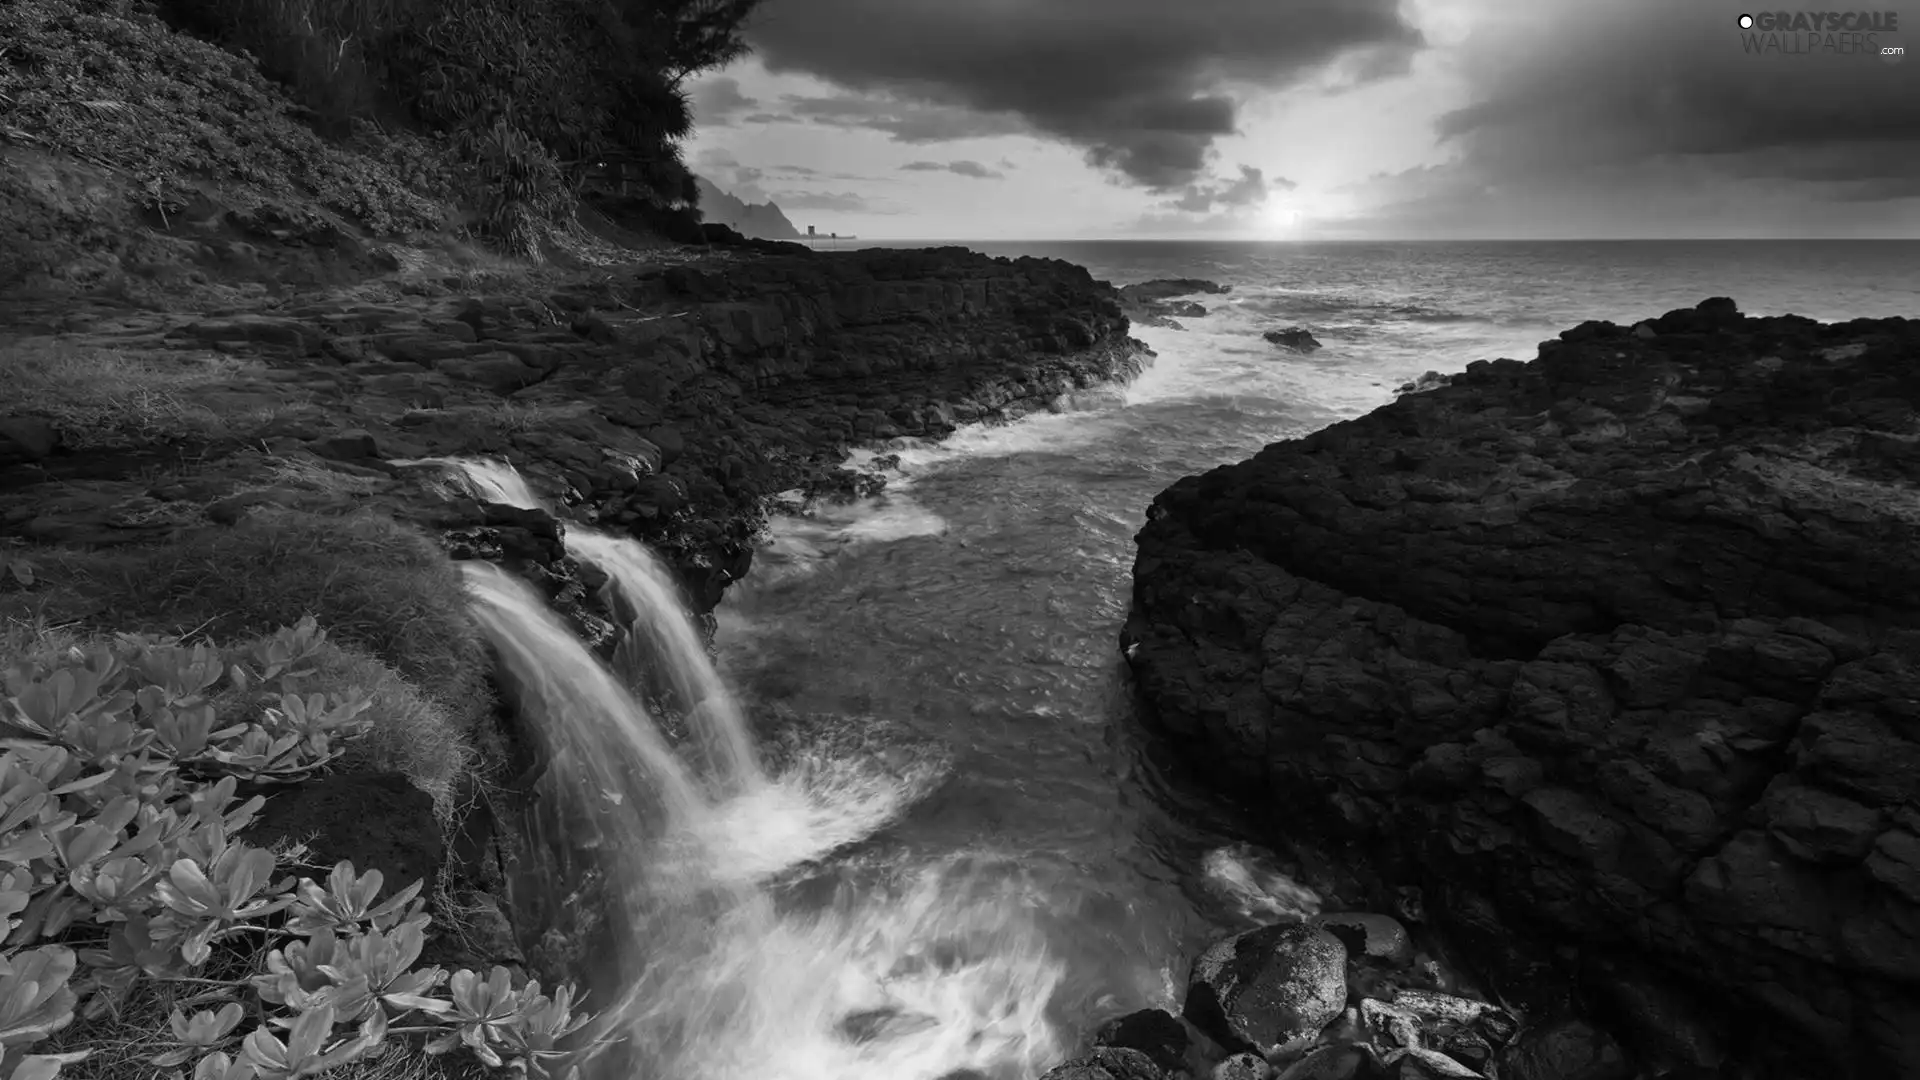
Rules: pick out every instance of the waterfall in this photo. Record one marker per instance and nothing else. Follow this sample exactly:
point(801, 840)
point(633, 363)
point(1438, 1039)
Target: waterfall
point(647, 586)
point(904, 971)
point(714, 712)
point(599, 733)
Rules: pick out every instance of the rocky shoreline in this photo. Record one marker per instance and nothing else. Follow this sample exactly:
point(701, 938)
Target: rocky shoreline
point(667, 402)
point(670, 401)
point(1612, 660)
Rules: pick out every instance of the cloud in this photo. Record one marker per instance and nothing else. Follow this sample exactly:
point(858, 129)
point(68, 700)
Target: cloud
point(717, 101)
point(845, 202)
point(905, 121)
point(959, 168)
point(1575, 105)
point(1217, 206)
point(1139, 85)
point(1250, 189)
point(770, 118)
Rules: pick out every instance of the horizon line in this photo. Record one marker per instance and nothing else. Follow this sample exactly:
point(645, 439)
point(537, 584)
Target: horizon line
point(948, 240)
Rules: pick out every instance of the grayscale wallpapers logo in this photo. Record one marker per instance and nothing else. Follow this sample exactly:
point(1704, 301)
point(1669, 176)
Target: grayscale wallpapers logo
point(1837, 33)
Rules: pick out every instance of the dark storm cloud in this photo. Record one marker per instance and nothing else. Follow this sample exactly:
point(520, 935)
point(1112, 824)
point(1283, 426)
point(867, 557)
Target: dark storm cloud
point(770, 118)
point(959, 168)
point(717, 101)
point(1578, 86)
point(1137, 83)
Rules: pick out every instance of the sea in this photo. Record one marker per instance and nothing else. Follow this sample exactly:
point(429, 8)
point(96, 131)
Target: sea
point(1061, 873)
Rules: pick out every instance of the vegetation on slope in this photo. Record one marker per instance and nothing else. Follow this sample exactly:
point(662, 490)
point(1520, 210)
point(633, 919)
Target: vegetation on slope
point(142, 935)
point(388, 113)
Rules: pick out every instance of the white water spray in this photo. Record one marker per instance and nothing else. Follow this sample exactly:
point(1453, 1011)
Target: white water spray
point(647, 585)
point(922, 974)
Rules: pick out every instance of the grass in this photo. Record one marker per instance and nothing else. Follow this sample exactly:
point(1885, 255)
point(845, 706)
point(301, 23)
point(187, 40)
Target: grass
point(372, 583)
point(411, 733)
point(102, 397)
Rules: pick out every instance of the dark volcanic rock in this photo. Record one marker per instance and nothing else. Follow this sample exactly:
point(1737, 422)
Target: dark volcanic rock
point(1107, 1063)
point(379, 822)
point(1152, 303)
point(1153, 1032)
point(1297, 338)
point(1615, 654)
point(1568, 1050)
point(1267, 987)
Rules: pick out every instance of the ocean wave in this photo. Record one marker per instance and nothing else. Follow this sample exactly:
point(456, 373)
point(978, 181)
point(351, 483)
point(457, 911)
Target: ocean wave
point(1344, 309)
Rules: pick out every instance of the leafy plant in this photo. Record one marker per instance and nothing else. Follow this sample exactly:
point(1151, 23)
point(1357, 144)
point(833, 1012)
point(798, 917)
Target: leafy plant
point(119, 810)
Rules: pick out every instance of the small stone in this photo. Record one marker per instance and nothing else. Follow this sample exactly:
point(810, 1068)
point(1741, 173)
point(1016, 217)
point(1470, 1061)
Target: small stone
point(1645, 331)
point(1243, 1066)
point(1330, 1063)
point(1366, 934)
point(1388, 1024)
point(355, 445)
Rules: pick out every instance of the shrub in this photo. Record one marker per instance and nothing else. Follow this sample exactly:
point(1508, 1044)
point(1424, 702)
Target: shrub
point(119, 866)
point(372, 582)
point(105, 81)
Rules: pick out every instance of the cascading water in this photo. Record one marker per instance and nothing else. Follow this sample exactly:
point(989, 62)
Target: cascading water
point(732, 964)
point(714, 712)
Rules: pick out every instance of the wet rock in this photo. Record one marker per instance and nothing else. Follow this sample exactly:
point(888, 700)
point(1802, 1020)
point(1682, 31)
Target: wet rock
point(1153, 1032)
point(1364, 934)
point(1267, 987)
point(1418, 1063)
point(1566, 1050)
point(1389, 1025)
point(1243, 1066)
point(1331, 1063)
point(357, 444)
point(378, 822)
point(875, 1025)
point(1107, 1063)
point(1431, 380)
point(1297, 338)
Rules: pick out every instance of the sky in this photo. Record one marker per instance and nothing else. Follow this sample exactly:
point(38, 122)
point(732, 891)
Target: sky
point(1318, 119)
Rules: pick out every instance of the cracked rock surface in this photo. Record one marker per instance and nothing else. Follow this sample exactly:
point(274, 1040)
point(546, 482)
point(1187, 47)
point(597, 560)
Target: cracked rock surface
point(1615, 655)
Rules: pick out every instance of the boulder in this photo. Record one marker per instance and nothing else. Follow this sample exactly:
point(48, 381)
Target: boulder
point(1153, 1032)
point(1265, 988)
point(1107, 1063)
point(1297, 338)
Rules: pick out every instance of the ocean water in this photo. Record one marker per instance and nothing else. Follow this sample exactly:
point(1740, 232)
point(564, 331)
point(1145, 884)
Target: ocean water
point(1057, 876)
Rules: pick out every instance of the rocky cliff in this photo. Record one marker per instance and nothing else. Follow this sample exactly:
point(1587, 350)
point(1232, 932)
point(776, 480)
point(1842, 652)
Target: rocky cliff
point(1614, 656)
point(666, 401)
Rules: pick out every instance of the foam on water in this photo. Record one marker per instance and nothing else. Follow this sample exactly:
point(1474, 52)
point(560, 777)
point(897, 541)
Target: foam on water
point(1249, 882)
point(928, 971)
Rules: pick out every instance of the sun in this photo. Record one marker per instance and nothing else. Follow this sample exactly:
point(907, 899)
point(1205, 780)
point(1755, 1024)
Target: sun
point(1281, 221)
